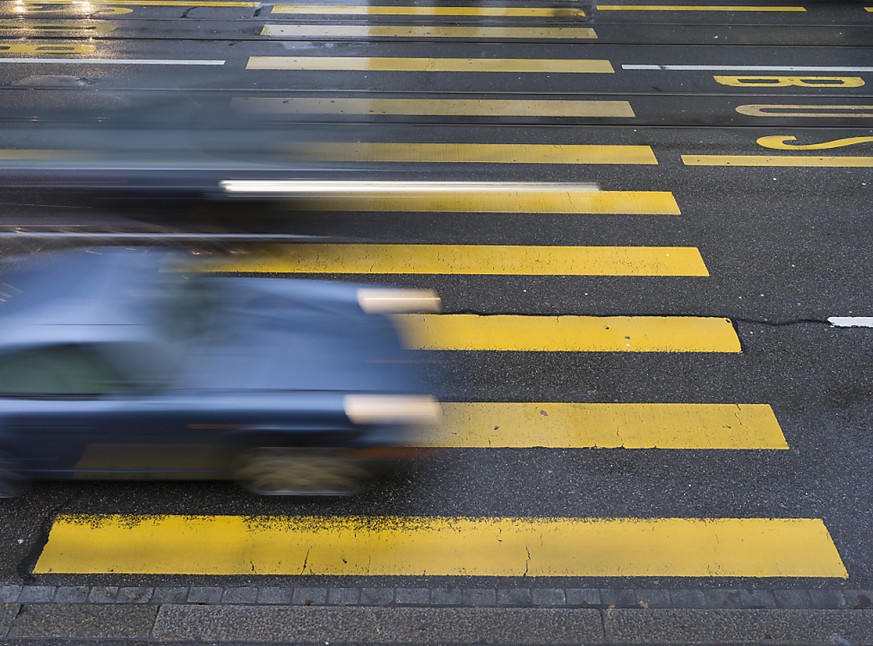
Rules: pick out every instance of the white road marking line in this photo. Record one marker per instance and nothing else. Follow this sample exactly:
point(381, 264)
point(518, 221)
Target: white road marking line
point(113, 61)
point(851, 321)
point(747, 68)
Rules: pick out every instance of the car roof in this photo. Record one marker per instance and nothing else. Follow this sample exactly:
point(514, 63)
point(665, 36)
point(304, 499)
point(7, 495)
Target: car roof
point(79, 296)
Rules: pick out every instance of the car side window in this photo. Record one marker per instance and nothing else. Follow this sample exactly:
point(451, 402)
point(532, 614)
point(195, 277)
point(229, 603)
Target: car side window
point(62, 371)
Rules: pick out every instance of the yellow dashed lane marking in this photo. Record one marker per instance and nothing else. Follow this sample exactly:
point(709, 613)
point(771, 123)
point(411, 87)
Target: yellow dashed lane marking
point(440, 546)
point(498, 201)
point(437, 107)
point(426, 31)
point(693, 7)
point(515, 333)
point(471, 259)
point(406, 10)
point(473, 153)
point(386, 64)
point(778, 160)
point(551, 425)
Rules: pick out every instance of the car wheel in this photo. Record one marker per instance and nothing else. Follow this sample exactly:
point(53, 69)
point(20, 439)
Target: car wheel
point(299, 472)
point(12, 482)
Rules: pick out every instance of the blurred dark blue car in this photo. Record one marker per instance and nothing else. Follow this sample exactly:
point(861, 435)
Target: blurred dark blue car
point(113, 367)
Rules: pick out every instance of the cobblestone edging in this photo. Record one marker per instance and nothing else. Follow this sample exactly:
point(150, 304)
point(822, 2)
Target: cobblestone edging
point(702, 598)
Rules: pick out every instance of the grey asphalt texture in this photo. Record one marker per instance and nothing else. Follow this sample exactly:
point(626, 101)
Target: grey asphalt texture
point(786, 249)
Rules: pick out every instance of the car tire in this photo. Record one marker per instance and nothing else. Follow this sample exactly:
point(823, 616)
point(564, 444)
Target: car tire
point(12, 482)
point(299, 472)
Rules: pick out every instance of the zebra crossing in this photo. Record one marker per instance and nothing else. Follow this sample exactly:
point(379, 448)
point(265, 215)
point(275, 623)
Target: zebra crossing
point(451, 545)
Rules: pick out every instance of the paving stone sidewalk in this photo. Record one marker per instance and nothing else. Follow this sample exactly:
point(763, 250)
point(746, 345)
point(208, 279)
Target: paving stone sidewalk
point(472, 597)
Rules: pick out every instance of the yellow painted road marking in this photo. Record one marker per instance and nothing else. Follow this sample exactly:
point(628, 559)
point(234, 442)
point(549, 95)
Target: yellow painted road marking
point(498, 201)
point(553, 425)
point(54, 27)
point(808, 111)
point(471, 259)
point(407, 10)
point(42, 155)
point(472, 153)
point(795, 161)
point(46, 48)
point(693, 7)
point(780, 142)
point(387, 64)
point(78, 4)
point(426, 31)
point(437, 107)
point(514, 333)
point(440, 546)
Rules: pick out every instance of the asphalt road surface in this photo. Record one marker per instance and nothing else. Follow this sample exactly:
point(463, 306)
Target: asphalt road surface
point(652, 394)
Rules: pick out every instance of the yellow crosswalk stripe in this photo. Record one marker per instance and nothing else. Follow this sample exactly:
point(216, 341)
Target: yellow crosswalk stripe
point(53, 28)
point(497, 200)
point(795, 161)
point(153, 3)
point(388, 64)
point(517, 201)
point(411, 10)
point(518, 333)
point(350, 151)
point(426, 31)
point(440, 546)
point(554, 425)
point(436, 107)
point(695, 7)
point(469, 259)
point(46, 48)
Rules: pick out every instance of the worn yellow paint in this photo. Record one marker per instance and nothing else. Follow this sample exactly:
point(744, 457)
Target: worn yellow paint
point(411, 10)
point(516, 333)
point(440, 546)
point(789, 81)
point(695, 7)
point(426, 31)
point(387, 64)
point(807, 111)
point(520, 425)
point(60, 27)
point(436, 107)
point(469, 259)
point(795, 161)
point(780, 142)
point(411, 152)
point(46, 48)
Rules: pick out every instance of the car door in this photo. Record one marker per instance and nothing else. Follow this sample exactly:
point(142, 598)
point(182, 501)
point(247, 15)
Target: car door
point(66, 410)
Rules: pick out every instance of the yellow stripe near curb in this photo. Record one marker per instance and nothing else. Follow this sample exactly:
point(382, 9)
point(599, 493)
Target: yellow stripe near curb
point(410, 152)
point(520, 425)
point(440, 546)
point(779, 160)
point(568, 333)
point(466, 65)
point(554, 108)
point(426, 31)
point(470, 259)
point(408, 10)
point(694, 7)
